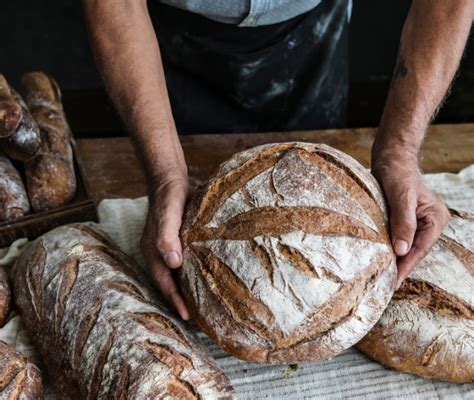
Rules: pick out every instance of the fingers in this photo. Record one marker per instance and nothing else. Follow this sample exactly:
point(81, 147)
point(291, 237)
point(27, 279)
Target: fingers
point(168, 216)
point(431, 222)
point(403, 221)
point(163, 277)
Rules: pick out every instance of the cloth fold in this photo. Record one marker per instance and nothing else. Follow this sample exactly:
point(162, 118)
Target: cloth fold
point(349, 375)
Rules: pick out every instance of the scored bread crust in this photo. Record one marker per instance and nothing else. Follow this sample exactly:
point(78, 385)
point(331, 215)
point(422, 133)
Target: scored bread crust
point(270, 206)
point(25, 141)
point(99, 327)
point(428, 328)
point(10, 110)
point(50, 175)
point(19, 378)
point(5, 297)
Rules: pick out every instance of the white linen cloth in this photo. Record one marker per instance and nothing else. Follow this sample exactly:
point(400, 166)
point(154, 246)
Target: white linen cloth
point(350, 375)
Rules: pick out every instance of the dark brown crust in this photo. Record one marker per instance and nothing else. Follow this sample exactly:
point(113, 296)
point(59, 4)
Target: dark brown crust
point(434, 298)
point(25, 141)
point(10, 110)
point(242, 315)
point(459, 251)
point(5, 297)
point(50, 173)
point(13, 198)
point(81, 304)
point(19, 378)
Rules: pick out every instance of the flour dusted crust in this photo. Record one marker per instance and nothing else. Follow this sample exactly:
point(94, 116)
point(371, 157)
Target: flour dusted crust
point(99, 327)
point(25, 141)
point(10, 110)
point(50, 175)
point(19, 378)
point(428, 328)
point(287, 256)
point(13, 198)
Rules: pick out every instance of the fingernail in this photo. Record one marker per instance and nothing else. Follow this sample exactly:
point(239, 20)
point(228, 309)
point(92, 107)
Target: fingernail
point(399, 283)
point(172, 259)
point(401, 247)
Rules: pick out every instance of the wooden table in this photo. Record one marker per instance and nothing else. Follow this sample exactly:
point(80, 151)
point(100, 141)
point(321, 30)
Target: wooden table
point(114, 171)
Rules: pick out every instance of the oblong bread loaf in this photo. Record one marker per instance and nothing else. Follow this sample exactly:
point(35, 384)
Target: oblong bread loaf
point(428, 328)
point(287, 255)
point(100, 329)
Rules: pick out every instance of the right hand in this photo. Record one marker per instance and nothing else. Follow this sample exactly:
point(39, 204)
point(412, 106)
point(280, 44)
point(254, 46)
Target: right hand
point(160, 241)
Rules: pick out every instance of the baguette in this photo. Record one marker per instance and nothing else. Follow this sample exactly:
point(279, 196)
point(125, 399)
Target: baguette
point(5, 297)
point(19, 378)
point(50, 175)
point(100, 329)
point(10, 110)
point(13, 198)
point(24, 143)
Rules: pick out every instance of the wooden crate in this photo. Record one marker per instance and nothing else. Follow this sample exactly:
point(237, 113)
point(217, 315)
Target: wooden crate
point(81, 208)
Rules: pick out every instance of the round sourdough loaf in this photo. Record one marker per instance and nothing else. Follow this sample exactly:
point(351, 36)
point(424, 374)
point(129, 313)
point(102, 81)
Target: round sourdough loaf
point(428, 328)
point(287, 255)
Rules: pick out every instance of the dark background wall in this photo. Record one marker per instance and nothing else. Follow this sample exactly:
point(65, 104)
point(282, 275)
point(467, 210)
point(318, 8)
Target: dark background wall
point(49, 35)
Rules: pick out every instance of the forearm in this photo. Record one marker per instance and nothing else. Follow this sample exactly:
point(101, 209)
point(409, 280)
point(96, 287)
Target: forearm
point(431, 46)
point(128, 56)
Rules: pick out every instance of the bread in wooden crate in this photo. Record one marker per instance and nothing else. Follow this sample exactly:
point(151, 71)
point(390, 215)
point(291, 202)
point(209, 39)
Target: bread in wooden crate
point(10, 110)
point(25, 141)
point(50, 176)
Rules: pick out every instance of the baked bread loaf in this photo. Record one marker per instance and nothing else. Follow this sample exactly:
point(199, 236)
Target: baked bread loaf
point(13, 199)
point(24, 142)
point(5, 297)
point(19, 378)
point(428, 328)
point(287, 255)
point(100, 329)
point(50, 176)
point(10, 110)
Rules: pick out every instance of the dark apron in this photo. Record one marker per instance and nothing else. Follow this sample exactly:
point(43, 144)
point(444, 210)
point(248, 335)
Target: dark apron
point(287, 76)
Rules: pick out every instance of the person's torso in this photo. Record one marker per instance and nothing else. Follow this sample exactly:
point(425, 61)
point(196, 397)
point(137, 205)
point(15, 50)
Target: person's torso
point(246, 13)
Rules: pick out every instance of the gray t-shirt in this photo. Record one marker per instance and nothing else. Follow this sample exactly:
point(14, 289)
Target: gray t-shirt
point(246, 12)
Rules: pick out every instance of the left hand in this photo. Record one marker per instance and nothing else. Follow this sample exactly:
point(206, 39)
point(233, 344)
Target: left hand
point(417, 216)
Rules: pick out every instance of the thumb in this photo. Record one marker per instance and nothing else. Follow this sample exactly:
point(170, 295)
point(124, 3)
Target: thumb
point(403, 222)
point(169, 214)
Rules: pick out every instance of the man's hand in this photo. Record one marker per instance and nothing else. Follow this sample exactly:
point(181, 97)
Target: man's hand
point(433, 39)
point(417, 216)
point(160, 241)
